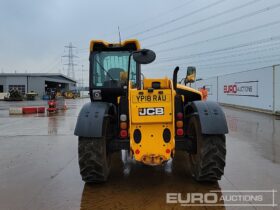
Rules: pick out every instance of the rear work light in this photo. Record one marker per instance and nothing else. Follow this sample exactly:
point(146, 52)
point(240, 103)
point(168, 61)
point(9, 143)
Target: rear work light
point(123, 117)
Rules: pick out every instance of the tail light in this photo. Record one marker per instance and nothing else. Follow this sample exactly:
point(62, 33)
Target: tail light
point(123, 126)
point(179, 124)
point(179, 132)
point(179, 116)
point(123, 133)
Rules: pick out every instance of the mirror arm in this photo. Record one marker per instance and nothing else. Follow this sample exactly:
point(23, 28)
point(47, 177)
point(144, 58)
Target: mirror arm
point(128, 72)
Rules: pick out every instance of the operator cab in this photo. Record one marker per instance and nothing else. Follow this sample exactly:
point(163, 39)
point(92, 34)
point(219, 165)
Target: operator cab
point(109, 64)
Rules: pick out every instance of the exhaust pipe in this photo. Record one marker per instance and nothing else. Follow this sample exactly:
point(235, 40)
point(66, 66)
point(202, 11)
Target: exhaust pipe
point(175, 77)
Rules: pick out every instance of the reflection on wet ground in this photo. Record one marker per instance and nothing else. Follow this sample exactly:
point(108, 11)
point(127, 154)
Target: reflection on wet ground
point(259, 130)
point(136, 186)
point(39, 166)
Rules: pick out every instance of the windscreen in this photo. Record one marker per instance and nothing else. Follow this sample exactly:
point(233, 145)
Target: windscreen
point(110, 69)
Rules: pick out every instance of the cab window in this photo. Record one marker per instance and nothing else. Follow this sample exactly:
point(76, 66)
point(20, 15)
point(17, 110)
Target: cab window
point(110, 69)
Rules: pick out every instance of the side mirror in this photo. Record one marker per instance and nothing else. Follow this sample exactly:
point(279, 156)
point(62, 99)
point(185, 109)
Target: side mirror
point(191, 75)
point(144, 56)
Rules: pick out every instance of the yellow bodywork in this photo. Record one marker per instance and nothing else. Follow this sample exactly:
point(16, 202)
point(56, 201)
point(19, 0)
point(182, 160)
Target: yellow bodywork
point(107, 44)
point(152, 149)
point(189, 89)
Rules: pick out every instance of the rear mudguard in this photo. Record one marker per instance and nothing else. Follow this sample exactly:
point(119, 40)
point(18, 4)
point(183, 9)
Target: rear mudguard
point(91, 118)
point(211, 116)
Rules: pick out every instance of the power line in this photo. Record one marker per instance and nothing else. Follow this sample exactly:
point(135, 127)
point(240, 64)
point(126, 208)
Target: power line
point(267, 62)
point(220, 37)
point(201, 20)
point(178, 18)
point(54, 63)
point(243, 52)
point(153, 18)
point(159, 15)
point(235, 63)
point(242, 60)
point(241, 64)
point(219, 25)
point(270, 39)
point(234, 55)
point(52, 67)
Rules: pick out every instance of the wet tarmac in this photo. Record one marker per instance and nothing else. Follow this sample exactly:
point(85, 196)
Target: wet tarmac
point(39, 166)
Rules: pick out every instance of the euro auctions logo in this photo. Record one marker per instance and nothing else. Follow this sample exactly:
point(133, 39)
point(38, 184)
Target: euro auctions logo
point(230, 89)
point(248, 88)
point(236, 198)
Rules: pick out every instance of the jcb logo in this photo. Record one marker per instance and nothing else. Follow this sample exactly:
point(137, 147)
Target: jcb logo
point(151, 111)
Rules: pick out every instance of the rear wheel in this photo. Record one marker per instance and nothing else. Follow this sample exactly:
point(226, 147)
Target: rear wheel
point(94, 159)
point(208, 159)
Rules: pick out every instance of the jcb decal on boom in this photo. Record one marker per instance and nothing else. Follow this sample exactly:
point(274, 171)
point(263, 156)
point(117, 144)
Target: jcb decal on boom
point(151, 111)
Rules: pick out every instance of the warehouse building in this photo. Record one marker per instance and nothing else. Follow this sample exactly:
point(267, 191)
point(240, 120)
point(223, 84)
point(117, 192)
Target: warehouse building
point(256, 89)
point(40, 83)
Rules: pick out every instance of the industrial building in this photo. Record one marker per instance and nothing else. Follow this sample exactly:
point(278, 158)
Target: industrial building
point(40, 83)
point(256, 89)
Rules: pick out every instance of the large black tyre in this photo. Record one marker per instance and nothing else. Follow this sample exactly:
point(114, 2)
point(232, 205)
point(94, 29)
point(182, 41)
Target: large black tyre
point(208, 159)
point(94, 161)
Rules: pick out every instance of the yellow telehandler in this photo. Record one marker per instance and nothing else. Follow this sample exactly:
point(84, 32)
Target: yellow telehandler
point(151, 118)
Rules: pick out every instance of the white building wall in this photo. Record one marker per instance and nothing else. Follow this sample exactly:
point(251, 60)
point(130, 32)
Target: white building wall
point(257, 89)
point(211, 85)
point(249, 88)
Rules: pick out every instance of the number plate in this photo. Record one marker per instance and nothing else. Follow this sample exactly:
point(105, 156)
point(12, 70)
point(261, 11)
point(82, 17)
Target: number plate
point(151, 98)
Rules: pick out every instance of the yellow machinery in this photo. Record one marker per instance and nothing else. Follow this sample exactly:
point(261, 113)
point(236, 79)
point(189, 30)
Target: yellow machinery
point(69, 95)
point(151, 118)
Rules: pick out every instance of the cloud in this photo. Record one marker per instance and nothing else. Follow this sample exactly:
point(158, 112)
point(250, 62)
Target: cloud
point(34, 33)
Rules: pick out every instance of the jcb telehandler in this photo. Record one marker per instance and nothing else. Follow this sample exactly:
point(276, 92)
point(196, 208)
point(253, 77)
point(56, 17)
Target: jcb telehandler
point(151, 118)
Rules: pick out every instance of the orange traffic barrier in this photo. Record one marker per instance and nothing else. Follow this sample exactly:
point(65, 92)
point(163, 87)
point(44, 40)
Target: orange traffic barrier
point(33, 110)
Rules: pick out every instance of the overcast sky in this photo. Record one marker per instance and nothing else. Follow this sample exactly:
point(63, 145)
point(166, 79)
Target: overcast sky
point(217, 36)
